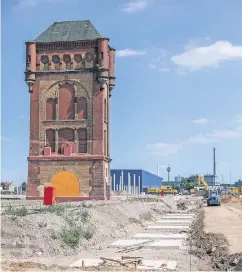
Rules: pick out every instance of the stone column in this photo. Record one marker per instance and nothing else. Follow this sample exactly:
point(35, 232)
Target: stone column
point(57, 103)
point(76, 141)
point(56, 141)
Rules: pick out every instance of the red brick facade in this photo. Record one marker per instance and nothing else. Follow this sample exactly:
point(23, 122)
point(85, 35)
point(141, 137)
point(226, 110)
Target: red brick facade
point(69, 115)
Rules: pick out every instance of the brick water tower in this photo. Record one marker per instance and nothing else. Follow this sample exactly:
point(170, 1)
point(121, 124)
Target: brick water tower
point(70, 75)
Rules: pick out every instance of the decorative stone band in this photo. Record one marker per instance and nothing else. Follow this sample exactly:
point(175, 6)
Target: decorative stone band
point(65, 45)
point(76, 71)
point(65, 158)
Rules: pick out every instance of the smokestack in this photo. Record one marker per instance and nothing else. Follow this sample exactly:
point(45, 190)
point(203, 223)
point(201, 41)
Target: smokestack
point(214, 164)
point(158, 170)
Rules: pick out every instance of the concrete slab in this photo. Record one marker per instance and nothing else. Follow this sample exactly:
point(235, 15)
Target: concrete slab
point(171, 217)
point(174, 222)
point(157, 265)
point(180, 214)
point(157, 227)
point(165, 244)
point(87, 262)
point(161, 235)
point(128, 242)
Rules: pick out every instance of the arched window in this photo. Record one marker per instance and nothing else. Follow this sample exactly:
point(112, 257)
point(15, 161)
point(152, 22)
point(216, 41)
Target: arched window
point(50, 139)
point(66, 103)
point(50, 109)
point(82, 108)
point(82, 140)
point(67, 60)
point(66, 136)
point(78, 60)
point(56, 60)
point(45, 61)
point(105, 110)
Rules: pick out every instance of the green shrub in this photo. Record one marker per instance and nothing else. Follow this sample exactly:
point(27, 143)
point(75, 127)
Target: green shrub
point(88, 233)
point(71, 236)
point(17, 211)
point(85, 216)
point(58, 209)
point(85, 205)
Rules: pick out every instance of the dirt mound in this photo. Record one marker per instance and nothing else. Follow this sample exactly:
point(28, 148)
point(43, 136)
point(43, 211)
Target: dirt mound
point(231, 198)
point(66, 229)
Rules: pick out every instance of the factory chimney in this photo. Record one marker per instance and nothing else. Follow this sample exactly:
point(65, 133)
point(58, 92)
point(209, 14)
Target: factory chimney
point(214, 165)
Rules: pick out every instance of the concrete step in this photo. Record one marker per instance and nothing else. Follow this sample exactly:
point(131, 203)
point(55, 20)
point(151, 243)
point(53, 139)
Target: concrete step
point(165, 243)
point(168, 228)
point(160, 236)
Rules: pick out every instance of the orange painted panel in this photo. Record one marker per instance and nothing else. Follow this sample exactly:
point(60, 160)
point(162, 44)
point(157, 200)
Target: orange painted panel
point(66, 184)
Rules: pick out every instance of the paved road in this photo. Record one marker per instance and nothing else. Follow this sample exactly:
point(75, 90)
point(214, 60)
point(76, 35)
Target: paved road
point(228, 221)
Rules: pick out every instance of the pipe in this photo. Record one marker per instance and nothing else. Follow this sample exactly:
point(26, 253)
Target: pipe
point(134, 184)
point(114, 182)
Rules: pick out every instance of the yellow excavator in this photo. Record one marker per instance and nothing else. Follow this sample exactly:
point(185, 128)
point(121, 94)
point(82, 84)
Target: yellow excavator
point(201, 179)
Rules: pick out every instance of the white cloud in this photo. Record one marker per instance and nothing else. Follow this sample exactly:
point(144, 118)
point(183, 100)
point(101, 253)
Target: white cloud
point(207, 56)
point(199, 139)
point(164, 149)
point(158, 62)
point(203, 121)
point(136, 6)
point(5, 139)
point(226, 134)
point(169, 149)
point(165, 69)
point(33, 3)
point(237, 119)
point(152, 66)
point(129, 53)
point(239, 128)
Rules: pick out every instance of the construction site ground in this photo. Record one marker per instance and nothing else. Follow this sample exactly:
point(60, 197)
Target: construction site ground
point(43, 239)
point(226, 219)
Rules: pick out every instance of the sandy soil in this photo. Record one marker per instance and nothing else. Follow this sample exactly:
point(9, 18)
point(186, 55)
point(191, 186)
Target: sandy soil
point(35, 238)
point(234, 205)
point(228, 221)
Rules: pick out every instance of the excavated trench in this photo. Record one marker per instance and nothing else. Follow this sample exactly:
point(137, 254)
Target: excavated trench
point(211, 245)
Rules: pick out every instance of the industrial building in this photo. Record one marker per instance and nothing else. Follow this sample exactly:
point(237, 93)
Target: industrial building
point(134, 181)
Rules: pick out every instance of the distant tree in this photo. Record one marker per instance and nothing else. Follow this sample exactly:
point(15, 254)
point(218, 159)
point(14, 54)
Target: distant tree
point(24, 187)
point(189, 183)
point(3, 185)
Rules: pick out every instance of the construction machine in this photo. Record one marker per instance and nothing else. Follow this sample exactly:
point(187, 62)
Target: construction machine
point(165, 189)
point(213, 200)
point(201, 179)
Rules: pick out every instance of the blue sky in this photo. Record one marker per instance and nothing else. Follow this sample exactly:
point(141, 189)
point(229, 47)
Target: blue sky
point(178, 89)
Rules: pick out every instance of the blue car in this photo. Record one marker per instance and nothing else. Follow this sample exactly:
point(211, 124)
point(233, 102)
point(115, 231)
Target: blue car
point(213, 200)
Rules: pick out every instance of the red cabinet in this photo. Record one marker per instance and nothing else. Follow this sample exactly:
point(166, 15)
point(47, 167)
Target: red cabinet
point(49, 196)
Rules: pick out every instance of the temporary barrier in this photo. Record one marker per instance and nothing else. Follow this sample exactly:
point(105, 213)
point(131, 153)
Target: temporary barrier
point(49, 196)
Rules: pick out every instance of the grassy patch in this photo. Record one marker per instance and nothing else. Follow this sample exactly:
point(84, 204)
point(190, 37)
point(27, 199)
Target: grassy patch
point(88, 233)
point(71, 236)
point(85, 216)
point(59, 209)
point(17, 211)
point(75, 231)
point(85, 205)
